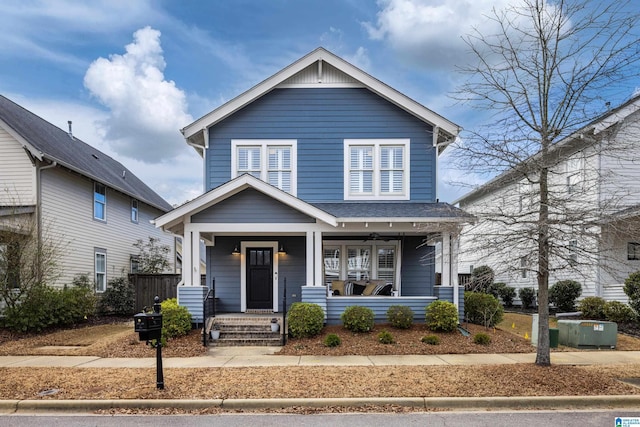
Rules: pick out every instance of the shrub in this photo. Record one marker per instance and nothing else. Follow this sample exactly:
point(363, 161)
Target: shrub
point(507, 295)
point(592, 308)
point(442, 316)
point(305, 319)
point(79, 300)
point(482, 309)
point(357, 318)
point(496, 288)
point(332, 340)
point(481, 279)
point(564, 294)
point(482, 339)
point(119, 298)
point(385, 337)
point(431, 340)
point(615, 311)
point(527, 296)
point(632, 289)
point(400, 316)
point(176, 319)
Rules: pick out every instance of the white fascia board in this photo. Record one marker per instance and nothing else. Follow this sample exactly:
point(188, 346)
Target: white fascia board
point(395, 220)
point(367, 80)
point(233, 187)
point(34, 152)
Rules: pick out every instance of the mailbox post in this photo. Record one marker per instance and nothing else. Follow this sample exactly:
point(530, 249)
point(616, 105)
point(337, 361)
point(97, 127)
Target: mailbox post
point(149, 328)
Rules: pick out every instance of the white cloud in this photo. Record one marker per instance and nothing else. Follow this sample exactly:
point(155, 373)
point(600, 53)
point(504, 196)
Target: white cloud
point(360, 59)
point(429, 32)
point(146, 111)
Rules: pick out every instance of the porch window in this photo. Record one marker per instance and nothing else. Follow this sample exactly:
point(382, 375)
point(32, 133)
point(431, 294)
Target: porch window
point(273, 161)
point(347, 261)
point(101, 271)
point(376, 169)
point(633, 251)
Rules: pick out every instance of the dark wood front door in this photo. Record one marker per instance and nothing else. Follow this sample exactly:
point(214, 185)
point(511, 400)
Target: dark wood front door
point(259, 278)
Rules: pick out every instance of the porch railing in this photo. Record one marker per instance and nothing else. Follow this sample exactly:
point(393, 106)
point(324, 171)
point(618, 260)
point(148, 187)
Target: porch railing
point(208, 310)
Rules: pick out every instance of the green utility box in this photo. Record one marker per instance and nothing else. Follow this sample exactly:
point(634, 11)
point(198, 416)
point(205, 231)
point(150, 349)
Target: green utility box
point(553, 337)
point(588, 333)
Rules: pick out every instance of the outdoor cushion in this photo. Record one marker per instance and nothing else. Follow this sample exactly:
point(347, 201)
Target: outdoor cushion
point(337, 286)
point(384, 290)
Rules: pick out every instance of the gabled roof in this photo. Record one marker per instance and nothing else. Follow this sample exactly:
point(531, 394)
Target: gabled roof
point(321, 65)
point(595, 127)
point(233, 187)
point(46, 141)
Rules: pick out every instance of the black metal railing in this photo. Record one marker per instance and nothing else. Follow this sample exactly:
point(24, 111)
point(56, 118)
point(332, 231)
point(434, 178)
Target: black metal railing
point(284, 313)
point(208, 310)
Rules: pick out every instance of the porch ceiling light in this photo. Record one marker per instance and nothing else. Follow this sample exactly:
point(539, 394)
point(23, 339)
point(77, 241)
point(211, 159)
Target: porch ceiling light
point(236, 251)
point(281, 251)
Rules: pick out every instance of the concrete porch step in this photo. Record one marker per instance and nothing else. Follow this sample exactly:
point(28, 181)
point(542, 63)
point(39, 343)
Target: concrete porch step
point(245, 342)
point(248, 330)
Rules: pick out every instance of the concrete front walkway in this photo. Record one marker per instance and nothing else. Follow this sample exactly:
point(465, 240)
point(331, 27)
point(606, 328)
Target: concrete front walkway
point(258, 356)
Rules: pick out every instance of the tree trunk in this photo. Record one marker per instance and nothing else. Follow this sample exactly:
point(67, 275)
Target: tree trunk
point(543, 356)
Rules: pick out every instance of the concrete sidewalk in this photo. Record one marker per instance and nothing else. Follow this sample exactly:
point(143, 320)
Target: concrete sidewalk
point(259, 356)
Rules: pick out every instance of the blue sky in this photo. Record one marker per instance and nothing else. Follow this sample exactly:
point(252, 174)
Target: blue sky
point(130, 74)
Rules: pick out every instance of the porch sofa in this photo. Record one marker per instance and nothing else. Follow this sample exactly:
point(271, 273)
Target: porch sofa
point(361, 287)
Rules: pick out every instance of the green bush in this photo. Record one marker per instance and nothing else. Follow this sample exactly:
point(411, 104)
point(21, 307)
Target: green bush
point(507, 295)
point(482, 339)
point(592, 308)
point(482, 309)
point(431, 340)
point(481, 279)
point(564, 295)
point(176, 319)
point(332, 340)
point(43, 307)
point(615, 311)
point(385, 337)
point(442, 316)
point(400, 316)
point(305, 320)
point(357, 318)
point(496, 288)
point(632, 289)
point(119, 298)
point(528, 297)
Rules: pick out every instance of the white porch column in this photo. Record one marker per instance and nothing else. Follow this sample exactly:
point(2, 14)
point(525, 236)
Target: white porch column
point(195, 258)
point(446, 260)
point(187, 247)
point(319, 262)
point(455, 246)
point(310, 258)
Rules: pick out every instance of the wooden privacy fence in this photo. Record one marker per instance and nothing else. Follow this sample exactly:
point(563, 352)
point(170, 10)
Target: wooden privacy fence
point(147, 286)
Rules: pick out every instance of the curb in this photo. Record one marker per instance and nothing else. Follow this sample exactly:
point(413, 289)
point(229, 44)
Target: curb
point(426, 403)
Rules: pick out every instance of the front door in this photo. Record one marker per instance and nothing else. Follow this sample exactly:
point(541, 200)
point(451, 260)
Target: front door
point(259, 278)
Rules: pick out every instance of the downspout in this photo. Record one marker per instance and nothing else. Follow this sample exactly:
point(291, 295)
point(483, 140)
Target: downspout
point(434, 135)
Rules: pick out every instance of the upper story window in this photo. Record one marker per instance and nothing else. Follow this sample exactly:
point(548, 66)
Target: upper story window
point(633, 251)
point(273, 161)
point(376, 169)
point(574, 174)
point(99, 201)
point(134, 210)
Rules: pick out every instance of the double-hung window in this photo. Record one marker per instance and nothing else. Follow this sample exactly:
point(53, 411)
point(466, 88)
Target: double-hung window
point(134, 210)
point(574, 174)
point(273, 161)
point(101, 270)
point(99, 201)
point(348, 260)
point(376, 169)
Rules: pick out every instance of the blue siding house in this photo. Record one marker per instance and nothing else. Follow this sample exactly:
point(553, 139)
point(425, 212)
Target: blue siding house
point(324, 178)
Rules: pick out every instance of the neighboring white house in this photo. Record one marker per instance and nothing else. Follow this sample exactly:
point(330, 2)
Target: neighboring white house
point(595, 175)
point(89, 203)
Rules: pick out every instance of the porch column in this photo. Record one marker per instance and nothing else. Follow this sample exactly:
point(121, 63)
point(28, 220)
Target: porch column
point(446, 260)
point(195, 258)
point(187, 269)
point(455, 247)
point(319, 262)
point(310, 258)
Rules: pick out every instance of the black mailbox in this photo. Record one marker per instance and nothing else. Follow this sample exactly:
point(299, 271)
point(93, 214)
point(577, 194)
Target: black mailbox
point(148, 325)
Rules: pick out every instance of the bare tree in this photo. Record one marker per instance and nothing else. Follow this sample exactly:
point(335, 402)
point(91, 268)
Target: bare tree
point(545, 74)
point(153, 257)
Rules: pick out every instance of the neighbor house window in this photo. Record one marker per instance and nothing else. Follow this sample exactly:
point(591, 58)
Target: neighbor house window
point(273, 161)
point(135, 264)
point(134, 210)
point(99, 201)
point(573, 252)
point(633, 251)
point(376, 169)
point(574, 174)
point(523, 267)
point(101, 270)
